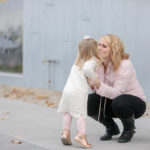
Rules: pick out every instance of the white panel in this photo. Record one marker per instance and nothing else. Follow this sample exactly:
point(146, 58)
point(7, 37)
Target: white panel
point(53, 29)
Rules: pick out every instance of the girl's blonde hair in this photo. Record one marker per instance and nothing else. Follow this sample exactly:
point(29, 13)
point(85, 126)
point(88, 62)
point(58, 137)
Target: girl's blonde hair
point(87, 49)
point(117, 50)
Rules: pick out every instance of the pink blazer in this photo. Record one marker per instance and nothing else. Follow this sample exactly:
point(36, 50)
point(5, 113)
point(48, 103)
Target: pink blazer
point(124, 81)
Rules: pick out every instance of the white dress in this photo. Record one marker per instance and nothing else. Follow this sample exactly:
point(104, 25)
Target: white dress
point(75, 93)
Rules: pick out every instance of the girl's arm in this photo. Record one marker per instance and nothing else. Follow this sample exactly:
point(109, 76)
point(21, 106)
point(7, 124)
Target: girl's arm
point(89, 69)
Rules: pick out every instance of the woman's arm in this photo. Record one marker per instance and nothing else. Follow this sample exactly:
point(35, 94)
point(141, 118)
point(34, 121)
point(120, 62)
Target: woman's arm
point(94, 82)
point(121, 83)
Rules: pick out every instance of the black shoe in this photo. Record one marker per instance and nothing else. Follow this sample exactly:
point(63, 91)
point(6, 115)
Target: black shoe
point(111, 129)
point(128, 131)
point(126, 136)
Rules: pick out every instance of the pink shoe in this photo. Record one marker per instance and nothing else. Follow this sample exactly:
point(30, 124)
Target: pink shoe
point(81, 139)
point(65, 138)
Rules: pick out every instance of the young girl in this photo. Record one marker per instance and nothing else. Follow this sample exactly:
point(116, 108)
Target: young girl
point(75, 94)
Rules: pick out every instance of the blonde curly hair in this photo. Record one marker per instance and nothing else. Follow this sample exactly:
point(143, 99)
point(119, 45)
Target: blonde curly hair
point(117, 49)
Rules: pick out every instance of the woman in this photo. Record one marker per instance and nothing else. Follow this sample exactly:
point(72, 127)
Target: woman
point(118, 93)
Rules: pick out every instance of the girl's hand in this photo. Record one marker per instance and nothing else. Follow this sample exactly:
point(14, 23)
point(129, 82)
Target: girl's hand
point(90, 83)
point(94, 82)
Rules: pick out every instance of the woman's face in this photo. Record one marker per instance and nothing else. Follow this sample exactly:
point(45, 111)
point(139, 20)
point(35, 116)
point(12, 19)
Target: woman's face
point(103, 49)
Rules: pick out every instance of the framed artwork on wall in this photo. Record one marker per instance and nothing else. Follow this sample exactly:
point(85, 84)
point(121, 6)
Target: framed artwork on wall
point(11, 36)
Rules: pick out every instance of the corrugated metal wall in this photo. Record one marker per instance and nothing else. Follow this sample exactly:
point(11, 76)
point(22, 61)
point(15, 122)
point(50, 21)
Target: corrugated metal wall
point(53, 28)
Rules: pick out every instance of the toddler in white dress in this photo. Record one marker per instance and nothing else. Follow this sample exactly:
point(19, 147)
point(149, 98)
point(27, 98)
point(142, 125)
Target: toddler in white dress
point(75, 94)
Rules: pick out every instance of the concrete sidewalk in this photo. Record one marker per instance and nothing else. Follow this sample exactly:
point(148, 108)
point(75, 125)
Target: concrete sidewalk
point(39, 128)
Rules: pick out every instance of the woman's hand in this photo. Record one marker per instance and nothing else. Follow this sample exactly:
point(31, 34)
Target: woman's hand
point(94, 82)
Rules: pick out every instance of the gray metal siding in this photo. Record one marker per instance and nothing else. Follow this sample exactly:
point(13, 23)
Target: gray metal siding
point(53, 29)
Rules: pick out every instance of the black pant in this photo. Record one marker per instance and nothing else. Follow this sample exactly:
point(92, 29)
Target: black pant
point(121, 107)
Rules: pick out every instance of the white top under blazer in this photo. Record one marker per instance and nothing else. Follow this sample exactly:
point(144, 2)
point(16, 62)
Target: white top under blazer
point(75, 93)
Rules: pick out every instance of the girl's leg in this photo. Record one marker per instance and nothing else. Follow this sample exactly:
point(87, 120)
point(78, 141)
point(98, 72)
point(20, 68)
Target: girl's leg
point(81, 136)
point(67, 119)
point(81, 125)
